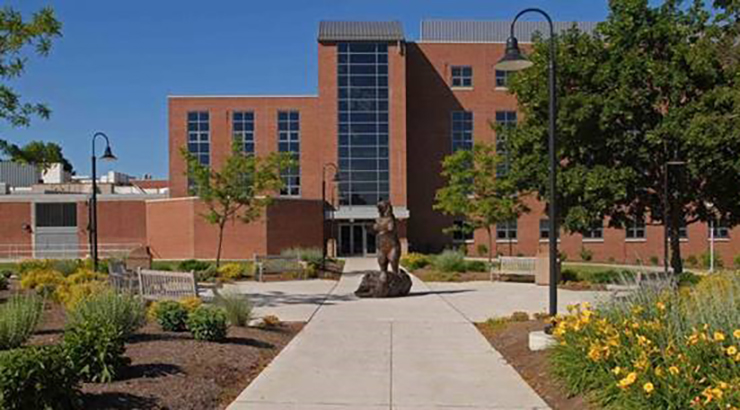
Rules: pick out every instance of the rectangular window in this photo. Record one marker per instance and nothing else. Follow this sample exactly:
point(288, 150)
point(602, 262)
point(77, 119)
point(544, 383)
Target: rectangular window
point(56, 215)
point(462, 76)
point(506, 120)
point(462, 130)
point(362, 72)
point(199, 136)
point(596, 232)
point(502, 78)
point(636, 229)
point(289, 140)
point(461, 232)
point(545, 229)
point(683, 232)
point(506, 230)
point(721, 230)
point(242, 128)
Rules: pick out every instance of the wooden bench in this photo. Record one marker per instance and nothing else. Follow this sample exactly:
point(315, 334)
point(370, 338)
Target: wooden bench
point(265, 265)
point(160, 285)
point(514, 267)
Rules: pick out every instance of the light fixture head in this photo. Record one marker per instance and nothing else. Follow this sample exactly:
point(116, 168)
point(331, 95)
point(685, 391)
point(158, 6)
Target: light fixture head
point(513, 59)
point(108, 154)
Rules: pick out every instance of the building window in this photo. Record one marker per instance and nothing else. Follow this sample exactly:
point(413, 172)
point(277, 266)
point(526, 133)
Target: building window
point(502, 78)
point(363, 123)
point(462, 130)
point(595, 232)
point(506, 120)
point(636, 229)
point(461, 232)
point(56, 215)
point(462, 76)
point(683, 232)
point(289, 140)
point(506, 230)
point(242, 125)
point(721, 230)
point(545, 229)
point(199, 136)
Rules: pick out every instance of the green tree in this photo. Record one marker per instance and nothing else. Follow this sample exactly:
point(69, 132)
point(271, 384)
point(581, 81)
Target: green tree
point(39, 153)
point(648, 87)
point(474, 192)
point(16, 37)
point(241, 189)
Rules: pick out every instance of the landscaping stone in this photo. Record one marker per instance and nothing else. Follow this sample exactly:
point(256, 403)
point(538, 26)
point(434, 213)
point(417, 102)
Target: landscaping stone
point(540, 340)
point(372, 286)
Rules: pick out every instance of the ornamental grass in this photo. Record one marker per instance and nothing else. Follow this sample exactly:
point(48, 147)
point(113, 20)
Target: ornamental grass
point(657, 348)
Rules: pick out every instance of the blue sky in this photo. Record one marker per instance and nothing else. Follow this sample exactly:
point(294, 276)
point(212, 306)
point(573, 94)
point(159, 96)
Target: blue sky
point(118, 60)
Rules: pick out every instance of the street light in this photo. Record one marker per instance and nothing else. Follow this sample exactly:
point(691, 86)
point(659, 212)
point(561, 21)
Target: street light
point(335, 179)
point(107, 156)
point(666, 212)
point(514, 60)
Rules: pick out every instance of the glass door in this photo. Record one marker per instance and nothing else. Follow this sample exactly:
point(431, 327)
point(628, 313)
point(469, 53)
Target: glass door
point(356, 239)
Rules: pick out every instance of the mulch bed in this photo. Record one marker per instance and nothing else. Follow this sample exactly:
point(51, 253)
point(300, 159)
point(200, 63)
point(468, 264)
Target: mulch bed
point(431, 275)
point(512, 341)
point(170, 370)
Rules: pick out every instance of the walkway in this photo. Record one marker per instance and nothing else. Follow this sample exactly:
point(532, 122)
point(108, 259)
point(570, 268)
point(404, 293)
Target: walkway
point(409, 353)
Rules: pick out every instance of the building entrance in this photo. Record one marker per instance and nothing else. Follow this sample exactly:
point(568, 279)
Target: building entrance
point(356, 239)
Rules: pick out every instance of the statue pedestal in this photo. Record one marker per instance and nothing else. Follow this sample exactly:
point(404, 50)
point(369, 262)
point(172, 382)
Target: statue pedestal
point(395, 285)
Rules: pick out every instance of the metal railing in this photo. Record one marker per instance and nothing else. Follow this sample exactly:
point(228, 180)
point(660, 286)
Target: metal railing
point(14, 252)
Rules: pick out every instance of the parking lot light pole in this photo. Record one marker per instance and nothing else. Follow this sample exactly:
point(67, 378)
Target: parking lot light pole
point(514, 60)
point(107, 156)
point(335, 179)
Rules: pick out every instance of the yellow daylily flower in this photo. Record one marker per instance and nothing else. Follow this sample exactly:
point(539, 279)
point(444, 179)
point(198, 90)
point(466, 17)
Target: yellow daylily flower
point(648, 387)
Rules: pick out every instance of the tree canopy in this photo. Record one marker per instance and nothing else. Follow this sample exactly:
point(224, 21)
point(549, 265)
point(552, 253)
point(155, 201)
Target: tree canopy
point(39, 153)
point(648, 87)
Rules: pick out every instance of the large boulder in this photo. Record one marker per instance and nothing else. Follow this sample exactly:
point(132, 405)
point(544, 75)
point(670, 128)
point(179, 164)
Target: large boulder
point(395, 285)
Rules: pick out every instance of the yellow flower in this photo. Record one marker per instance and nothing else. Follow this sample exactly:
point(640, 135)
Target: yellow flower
point(731, 351)
point(617, 370)
point(586, 305)
point(723, 385)
point(673, 370)
point(736, 333)
point(659, 371)
point(719, 336)
point(660, 305)
point(737, 358)
point(628, 380)
point(648, 387)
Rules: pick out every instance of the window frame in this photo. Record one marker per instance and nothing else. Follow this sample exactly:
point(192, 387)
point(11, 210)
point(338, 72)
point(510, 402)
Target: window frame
point(462, 138)
point(460, 236)
point(589, 234)
point(461, 79)
point(507, 228)
point(289, 141)
point(633, 229)
point(238, 136)
point(721, 231)
point(505, 81)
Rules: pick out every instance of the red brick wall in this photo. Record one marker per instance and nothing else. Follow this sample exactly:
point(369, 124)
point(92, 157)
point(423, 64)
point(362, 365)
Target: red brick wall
point(13, 217)
point(170, 230)
point(294, 223)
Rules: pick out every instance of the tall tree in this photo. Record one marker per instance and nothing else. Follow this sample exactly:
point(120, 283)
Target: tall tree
point(647, 88)
point(474, 192)
point(240, 190)
point(16, 37)
point(39, 153)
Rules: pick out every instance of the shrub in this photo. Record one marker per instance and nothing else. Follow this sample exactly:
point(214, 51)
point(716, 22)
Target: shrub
point(18, 319)
point(44, 281)
point(736, 261)
point(476, 266)
point(208, 275)
point(414, 261)
point(495, 324)
point(310, 255)
point(39, 377)
point(96, 349)
point(482, 249)
point(6, 273)
point(191, 303)
point(125, 313)
point(655, 348)
point(171, 315)
point(449, 261)
point(31, 265)
point(192, 265)
point(519, 317)
point(65, 266)
point(231, 271)
point(71, 295)
point(271, 322)
point(3, 282)
point(237, 307)
point(706, 260)
point(562, 256)
point(692, 261)
point(654, 260)
point(208, 323)
point(586, 254)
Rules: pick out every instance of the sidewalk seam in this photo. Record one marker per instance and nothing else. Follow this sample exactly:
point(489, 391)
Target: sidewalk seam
point(326, 296)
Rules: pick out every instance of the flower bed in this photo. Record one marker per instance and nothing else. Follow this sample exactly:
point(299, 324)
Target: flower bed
point(656, 349)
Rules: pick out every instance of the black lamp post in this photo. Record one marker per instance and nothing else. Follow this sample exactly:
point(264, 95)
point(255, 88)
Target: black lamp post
point(107, 156)
point(323, 208)
point(514, 60)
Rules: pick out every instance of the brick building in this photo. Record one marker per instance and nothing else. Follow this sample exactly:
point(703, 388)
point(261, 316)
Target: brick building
point(387, 112)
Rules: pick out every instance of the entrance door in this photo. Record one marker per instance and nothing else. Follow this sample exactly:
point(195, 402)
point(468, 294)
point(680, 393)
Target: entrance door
point(356, 239)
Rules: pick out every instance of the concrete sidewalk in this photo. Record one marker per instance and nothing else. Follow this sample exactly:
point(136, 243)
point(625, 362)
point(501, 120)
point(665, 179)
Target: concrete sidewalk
point(416, 352)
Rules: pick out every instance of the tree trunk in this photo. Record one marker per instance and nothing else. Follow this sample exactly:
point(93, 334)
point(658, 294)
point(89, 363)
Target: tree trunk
point(490, 246)
point(675, 241)
point(221, 226)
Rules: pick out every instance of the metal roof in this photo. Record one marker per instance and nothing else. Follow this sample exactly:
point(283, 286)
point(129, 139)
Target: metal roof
point(470, 31)
point(360, 31)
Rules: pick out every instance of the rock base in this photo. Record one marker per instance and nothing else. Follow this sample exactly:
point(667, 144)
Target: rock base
point(540, 341)
point(395, 285)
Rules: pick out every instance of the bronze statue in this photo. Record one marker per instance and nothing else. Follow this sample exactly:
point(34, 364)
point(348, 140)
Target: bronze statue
point(386, 283)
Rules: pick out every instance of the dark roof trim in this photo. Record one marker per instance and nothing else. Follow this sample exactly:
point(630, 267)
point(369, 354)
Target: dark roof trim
point(360, 31)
